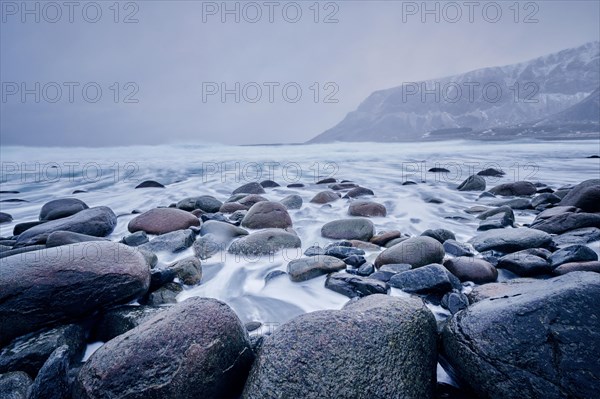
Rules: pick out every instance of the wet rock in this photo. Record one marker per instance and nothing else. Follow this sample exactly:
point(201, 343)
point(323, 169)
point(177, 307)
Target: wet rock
point(496, 218)
point(544, 199)
point(119, 320)
point(269, 184)
point(231, 207)
point(325, 197)
point(424, 280)
point(578, 236)
point(342, 252)
point(14, 385)
point(455, 301)
point(328, 180)
point(265, 242)
point(383, 238)
point(554, 211)
point(572, 253)
point(416, 251)
point(365, 246)
point(12, 252)
point(188, 270)
point(491, 172)
point(472, 269)
point(206, 203)
point(274, 274)
point(98, 222)
point(565, 268)
point(196, 349)
point(314, 266)
point(251, 199)
point(21, 227)
point(295, 185)
point(65, 283)
point(367, 209)
point(354, 286)
point(409, 183)
point(342, 186)
point(511, 240)
point(237, 217)
point(61, 208)
point(527, 263)
point(175, 241)
point(309, 357)
point(350, 229)
point(566, 222)
point(358, 192)
point(516, 203)
point(441, 235)
point(59, 238)
point(537, 339)
point(356, 261)
point(52, 381)
point(365, 269)
point(166, 294)
point(472, 183)
point(160, 278)
point(136, 239)
point(585, 196)
point(249, 188)
point(150, 184)
point(438, 170)
point(293, 201)
point(456, 248)
point(5, 218)
point(162, 220)
point(28, 353)
point(222, 229)
point(267, 215)
point(516, 188)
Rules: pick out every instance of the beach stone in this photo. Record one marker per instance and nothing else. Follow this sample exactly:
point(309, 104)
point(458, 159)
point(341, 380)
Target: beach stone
point(497, 218)
point(269, 184)
point(535, 339)
point(188, 270)
point(342, 186)
point(438, 170)
point(358, 261)
point(342, 252)
point(58, 238)
point(544, 199)
point(516, 188)
point(231, 207)
point(472, 183)
point(358, 192)
point(53, 381)
point(61, 208)
point(173, 242)
point(585, 196)
point(65, 283)
point(161, 277)
point(206, 203)
point(328, 180)
point(527, 263)
point(249, 188)
point(365, 246)
point(162, 220)
point(251, 199)
point(416, 251)
point(566, 222)
point(491, 172)
point(572, 253)
point(222, 229)
point(424, 280)
point(267, 214)
point(455, 301)
point(365, 269)
point(15, 385)
point(325, 197)
point(472, 269)
point(29, 352)
point(383, 238)
point(98, 222)
point(314, 250)
point(165, 295)
point(554, 211)
point(578, 236)
point(117, 321)
point(21, 227)
point(349, 229)
point(293, 201)
point(367, 209)
point(441, 235)
point(511, 240)
point(198, 348)
point(314, 266)
point(516, 203)
point(593, 266)
point(456, 248)
point(295, 185)
point(150, 184)
point(309, 356)
point(265, 242)
point(354, 286)
point(136, 239)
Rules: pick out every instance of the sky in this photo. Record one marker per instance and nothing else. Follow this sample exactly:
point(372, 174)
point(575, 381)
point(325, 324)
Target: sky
point(103, 73)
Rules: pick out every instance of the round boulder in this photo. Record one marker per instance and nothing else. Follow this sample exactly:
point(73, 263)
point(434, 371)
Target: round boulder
point(511, 240)
point(163, 220)
point(324, 197)
point(61, 208)
point(515, 188)
point(585, 196)
point(265, 242)
point(314, 266)
point(367, 209)
point(472, 183)
point(267, 214)
point(349, 229)
point(467, 268)
point(415, 251)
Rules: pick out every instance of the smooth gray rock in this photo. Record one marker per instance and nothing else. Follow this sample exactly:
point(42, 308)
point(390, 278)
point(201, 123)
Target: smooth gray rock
point(358, 192)
point(377, 347)
point(467, 268)
point(441, 235)
point(527, 263)
point(265, 242)
point(97, 222)
point(565, 222)
point(325, 197)
point(162, 220)
point(511, 240)
point(174, 241)
point(267, 214)
point(65, 283)
point(313, 266)
point(349, 229)
point(367, 209)
point(572, 253)
point(354, 286)
point(222, 229)
point(249, 188)
point(593, 266)
point(579, 236)
point(61, 208)
point(206, 203)
point(456, 248)
point(537, 339)
point(196, 349)
point(585, 196)
point(136, 239)
point(472, 183)
point(416, 251)
point(293, 201)
point(430, 279)
point(516, 188)
point(59, 238)
point(188, 270)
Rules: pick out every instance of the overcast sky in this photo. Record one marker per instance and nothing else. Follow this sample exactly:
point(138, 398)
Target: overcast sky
point(162, 74)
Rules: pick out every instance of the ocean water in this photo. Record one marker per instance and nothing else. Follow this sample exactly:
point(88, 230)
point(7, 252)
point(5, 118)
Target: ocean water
point(109, 175)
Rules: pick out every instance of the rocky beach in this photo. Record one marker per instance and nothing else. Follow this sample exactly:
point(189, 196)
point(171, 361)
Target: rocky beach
point(355, 270)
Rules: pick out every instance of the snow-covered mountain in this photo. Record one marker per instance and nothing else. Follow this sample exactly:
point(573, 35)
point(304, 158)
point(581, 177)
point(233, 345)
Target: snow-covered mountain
point(478, 103)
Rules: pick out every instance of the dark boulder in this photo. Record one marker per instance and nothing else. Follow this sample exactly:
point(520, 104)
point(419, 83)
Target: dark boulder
point(515, 188)
point(585, 196)
point(162, 220)
point(349, 229)
point(416, 251)
point(572, 253)
point(472, 183)
point(267, 214)
point(61, 208)
point(249, 188)
point(150, 184)
point(430, 279)
point(511, 240)
point(314, 266)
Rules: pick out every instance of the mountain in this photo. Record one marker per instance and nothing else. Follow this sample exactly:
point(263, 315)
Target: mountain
point(555, 90)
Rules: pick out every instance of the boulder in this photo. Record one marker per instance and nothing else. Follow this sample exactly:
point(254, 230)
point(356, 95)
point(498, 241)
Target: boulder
point(527, 263)
point(150, 184)
point(251, 199)
point(367, 209)
point(491, 172)
point(572, 253)
point(377, 347)
point(585, 196)
point(14, 385)
point(511, 240)
point(565, 268)
point(265, 242)
point(456, 248)
point(53, 380)
point(206, 203)
point(174, 241)
point(314, 266)
point(293, 201)
point(61, 208)
point(578, 236)
point(66, 283)
point(515, 188)
point(196, 349)
point(349, 229)
point(430, 279)
point(441, 235)
point(117, 321)
point(188, 270)
point(267, 214)
point(415, 251)
point(539, 339)
point(358, 192)
point(354, 286)
point(222, 229)
point(249, 188)
point(97, 222)
point(58, 238)
point(472, 183)
point(324, 197)
point(566, 222)
point(231, 207)
point(162, 220)
point(269, 184)
point(472, 269)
